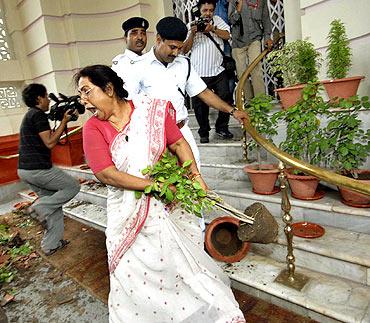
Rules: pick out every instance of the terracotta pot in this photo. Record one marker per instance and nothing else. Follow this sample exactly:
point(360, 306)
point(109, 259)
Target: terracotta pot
point(353, 198)
point(9, 146)
point(70, 152)
point(342, 88)
point(290, 95)
point(222, 242)
point(302, 186)
point(263, 180)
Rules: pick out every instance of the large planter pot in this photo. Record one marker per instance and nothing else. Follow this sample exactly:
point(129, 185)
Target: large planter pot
point(342, 88)
point(303, 187)
point(263, 180)
point(69, 152)
point(290, 95)
point(353, 198)
point(9, 146)
point(222, 242)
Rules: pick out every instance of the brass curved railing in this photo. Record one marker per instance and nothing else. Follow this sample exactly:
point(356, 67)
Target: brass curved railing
point(288, 276)
point(61, 138)
point(320, 173)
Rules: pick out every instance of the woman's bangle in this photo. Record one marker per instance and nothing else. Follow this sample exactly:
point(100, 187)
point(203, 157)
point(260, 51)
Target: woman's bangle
point(194, 175)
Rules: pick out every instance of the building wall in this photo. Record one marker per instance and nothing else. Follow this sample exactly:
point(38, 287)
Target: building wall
point(311, 18)
point(51, 40)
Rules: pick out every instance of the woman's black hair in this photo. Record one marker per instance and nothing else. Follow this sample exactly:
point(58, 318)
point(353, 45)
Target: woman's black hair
point(102, 75)
point(31, 92)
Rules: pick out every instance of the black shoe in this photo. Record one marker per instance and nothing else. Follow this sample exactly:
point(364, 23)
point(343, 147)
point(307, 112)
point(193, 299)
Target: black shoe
point(204, 140)
point(225, 134)
point(62, 244)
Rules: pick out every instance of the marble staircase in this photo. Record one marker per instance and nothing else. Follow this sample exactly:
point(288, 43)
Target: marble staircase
point(338, 263)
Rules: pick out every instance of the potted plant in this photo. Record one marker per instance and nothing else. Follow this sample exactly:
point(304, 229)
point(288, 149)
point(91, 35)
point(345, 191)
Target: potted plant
point(297, 63)
point(262, 176)
point(303, 138)
point(339, 56)
point(346, 145)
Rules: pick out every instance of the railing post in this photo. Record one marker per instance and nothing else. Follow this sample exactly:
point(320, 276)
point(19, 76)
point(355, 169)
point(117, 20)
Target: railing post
point(288, 277)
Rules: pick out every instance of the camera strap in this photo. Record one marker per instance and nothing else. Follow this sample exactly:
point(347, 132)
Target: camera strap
point(217, 45)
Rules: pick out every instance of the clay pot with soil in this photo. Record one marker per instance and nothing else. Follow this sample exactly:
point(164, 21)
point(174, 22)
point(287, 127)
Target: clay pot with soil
point(355, 199)
point(263, 178)
point(227, 239)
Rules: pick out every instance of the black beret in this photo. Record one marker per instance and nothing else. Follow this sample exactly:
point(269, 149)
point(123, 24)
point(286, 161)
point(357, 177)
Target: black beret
point(134, 22)
point(172, 28)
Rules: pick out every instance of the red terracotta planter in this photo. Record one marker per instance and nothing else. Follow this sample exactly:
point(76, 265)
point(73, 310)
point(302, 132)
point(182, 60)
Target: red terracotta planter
point(342, 88)
point(302, 186)
point(69, 152)
point(263, 180)
point(9, 146)
point(222, 241)
point(290, 95)
point(353, 198)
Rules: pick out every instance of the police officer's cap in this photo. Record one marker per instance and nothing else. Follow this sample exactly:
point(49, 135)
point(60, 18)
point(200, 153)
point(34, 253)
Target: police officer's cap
point(172, 28)
point(134, 22)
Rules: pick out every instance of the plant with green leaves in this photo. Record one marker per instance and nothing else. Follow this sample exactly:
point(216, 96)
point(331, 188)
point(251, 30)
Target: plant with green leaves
point(296, 63)
point(167, 174)
point(345, 145)
point(338, 52)
point(7, 274)
point(303, 133)
point(4, 234)
point(258, 110)
point(23, 250)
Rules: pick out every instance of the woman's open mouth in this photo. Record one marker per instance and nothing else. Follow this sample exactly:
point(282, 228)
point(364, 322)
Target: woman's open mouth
point(93, 110)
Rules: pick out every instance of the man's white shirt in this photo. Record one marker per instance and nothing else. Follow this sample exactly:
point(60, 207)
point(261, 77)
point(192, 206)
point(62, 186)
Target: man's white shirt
point(124, 66)
point(150, 76)
point(205, 57)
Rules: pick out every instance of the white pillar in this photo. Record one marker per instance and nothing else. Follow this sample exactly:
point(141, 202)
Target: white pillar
point(292, 15)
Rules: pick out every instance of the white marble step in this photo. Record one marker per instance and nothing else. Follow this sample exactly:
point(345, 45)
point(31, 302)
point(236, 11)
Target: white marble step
point(338, 252)
point(325, 298)
point(235, 129)
point(90, 214)
point(327, 211)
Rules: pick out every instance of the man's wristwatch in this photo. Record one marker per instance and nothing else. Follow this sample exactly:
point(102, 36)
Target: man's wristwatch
point(233, 111)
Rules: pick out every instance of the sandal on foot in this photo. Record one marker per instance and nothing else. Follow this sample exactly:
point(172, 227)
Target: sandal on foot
point(63, 243)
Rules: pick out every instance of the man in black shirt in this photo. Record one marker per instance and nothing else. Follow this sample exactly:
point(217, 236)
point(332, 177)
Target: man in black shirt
point(53, 186)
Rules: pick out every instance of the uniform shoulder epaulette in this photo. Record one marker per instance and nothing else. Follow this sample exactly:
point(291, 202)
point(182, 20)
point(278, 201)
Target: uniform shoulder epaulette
point(117, 58)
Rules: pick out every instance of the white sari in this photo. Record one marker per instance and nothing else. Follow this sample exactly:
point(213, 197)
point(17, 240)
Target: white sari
point(159, 271)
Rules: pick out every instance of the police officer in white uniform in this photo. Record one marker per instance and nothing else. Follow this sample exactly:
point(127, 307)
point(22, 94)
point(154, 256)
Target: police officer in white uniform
point(136, 40)
point(163, 73)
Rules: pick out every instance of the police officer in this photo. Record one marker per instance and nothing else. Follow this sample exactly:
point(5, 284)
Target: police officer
point(135, 37)
point(164, 73)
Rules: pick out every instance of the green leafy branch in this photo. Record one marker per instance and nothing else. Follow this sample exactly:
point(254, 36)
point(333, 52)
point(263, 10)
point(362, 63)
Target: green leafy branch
point(173, 183)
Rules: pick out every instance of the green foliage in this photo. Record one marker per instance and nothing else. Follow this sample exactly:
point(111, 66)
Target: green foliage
point(23, 250)
point(258, 110)
point(6, 274)
point(346, 145)
point(303, 134)
point(338, 51)
point(297, 62)
point(4, 234)
point(167, 173)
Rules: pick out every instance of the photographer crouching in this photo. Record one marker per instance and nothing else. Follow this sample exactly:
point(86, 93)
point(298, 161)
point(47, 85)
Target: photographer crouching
point(53, 186)
point(205, 40)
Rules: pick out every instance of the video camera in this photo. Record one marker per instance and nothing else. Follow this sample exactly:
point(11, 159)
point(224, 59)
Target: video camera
point(198, 20)
point(64, 104)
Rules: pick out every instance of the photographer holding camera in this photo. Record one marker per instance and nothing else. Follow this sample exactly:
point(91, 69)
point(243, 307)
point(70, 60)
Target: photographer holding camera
point(53, 186)
point(207, 61)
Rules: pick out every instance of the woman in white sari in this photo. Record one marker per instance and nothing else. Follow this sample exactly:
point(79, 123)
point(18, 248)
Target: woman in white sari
point(159, 271)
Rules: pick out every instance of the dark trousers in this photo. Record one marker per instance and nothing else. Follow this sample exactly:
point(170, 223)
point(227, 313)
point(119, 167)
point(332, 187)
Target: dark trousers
point(219, 84)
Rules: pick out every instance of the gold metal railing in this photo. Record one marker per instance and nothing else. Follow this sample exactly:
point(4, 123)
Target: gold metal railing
point(61, 138)
point(288, 276)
